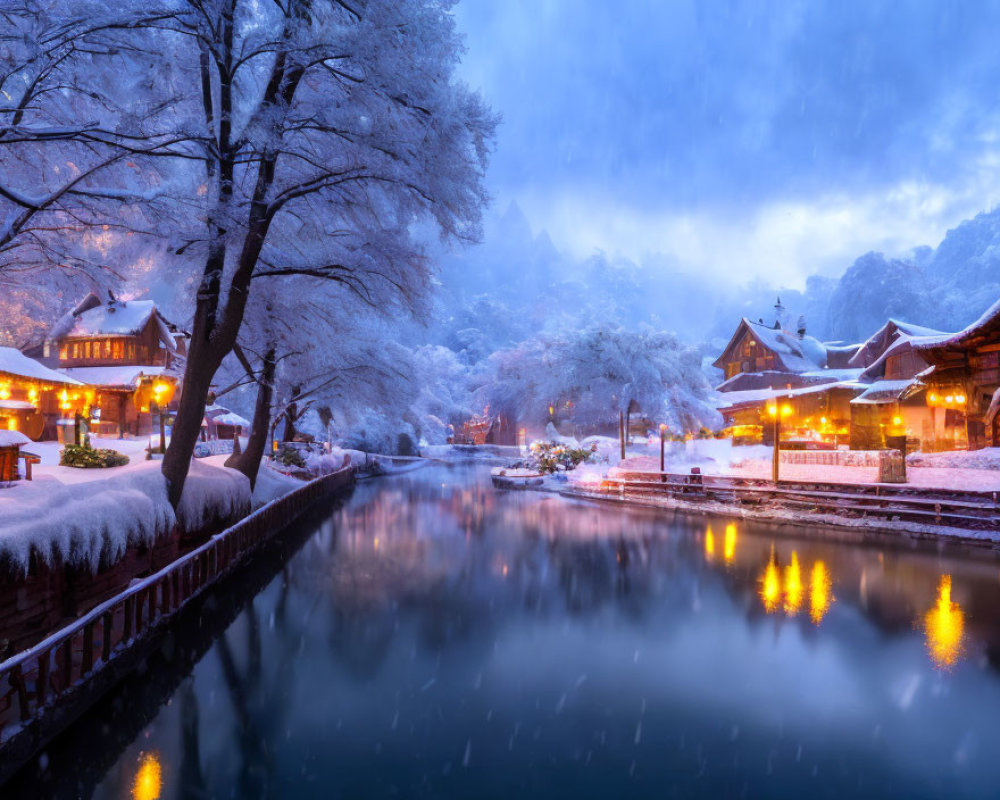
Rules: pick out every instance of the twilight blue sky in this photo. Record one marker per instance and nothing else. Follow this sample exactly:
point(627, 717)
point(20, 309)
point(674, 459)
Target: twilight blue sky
point(770, 138)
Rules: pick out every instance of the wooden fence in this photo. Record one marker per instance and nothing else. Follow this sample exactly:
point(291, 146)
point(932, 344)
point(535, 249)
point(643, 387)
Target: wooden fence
point(968, 510)
point(34, 680)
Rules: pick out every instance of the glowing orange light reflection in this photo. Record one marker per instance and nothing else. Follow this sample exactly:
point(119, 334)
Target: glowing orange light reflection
point(709, 543)
point(793, 586)
point(149, 779)
point(770, 588)
point(729, 544)
point(944, 625)
point(820, 596)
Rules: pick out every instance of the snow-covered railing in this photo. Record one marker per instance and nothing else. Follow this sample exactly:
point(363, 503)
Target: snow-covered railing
point(36, 678)
point(919, 506)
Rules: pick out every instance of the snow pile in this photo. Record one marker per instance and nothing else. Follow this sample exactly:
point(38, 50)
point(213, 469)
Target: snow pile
point(271, 485)
point(211, 493)
point(13, 439)
point(988, 458)
point(711, 456)
point(553, 435)
point(97, 522)
point(608, 449)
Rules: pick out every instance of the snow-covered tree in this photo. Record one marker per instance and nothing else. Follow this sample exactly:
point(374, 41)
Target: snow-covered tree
point(262, 140)
point(329, 130)
point(592, 375)
point(83, 124)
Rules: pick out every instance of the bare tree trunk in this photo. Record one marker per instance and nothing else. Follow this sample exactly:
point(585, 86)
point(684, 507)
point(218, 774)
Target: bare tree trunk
point(249, 461)
point(198, 374)
point(291, 414)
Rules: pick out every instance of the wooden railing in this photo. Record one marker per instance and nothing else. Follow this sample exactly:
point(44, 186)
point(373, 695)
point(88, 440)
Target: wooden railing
point(968, 510)
point(41, 675)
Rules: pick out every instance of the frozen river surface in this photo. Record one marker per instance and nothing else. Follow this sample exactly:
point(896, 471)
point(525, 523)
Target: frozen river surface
point(433, 637)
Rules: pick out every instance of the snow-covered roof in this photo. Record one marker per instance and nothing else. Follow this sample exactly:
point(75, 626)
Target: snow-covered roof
point(114, 318)
point(887, 336)
point(902, 343)
point(796, 353)
point(14, 362)
point(13, 439)
point(231, 418)
point(757, 396)
point(991, 315)
point(886, 391)
point(114, 377)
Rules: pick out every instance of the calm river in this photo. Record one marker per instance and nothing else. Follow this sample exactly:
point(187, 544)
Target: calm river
point(433, 637)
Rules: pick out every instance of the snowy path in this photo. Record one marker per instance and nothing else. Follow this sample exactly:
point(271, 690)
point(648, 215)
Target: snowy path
point(931, 477)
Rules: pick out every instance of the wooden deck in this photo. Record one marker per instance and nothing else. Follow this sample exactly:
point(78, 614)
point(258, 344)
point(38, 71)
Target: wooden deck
point(964, 510)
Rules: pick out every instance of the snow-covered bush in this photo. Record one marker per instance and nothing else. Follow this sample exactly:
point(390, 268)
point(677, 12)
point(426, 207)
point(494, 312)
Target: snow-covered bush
point(549, 457)
point(86, 457)
point(290, 457)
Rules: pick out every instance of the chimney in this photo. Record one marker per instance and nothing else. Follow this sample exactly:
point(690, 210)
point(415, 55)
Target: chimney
point(779, 315)
point(802, 326)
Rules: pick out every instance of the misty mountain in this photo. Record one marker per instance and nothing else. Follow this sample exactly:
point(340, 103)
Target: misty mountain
point(873, 289)
point(946, 287)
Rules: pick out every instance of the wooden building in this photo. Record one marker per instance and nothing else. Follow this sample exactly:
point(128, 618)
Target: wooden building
point(963, 382)
point(893, 403)
point(33, 397)
point(489, 428)
point(813, 381)
point(127, 354)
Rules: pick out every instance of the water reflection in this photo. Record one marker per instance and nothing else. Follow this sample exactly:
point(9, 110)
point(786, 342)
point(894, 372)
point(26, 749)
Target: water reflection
point(148, 778)
point(770, 588)
point(944, 624)
point(793, 586)
point(438, 638)
point(729, 546)
point(820, 592)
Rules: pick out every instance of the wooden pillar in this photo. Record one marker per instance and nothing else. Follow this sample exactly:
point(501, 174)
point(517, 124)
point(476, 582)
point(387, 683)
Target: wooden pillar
point(776, 456)
point(122, 403)
point(621, 432)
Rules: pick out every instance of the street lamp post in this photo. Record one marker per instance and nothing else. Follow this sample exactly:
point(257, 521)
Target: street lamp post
point(776, 414)
point(663, 439)
point(621, 432)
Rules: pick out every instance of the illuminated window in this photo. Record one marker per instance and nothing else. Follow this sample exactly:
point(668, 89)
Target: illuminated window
point(117, 349)
point(107, 348)
point(63, 352)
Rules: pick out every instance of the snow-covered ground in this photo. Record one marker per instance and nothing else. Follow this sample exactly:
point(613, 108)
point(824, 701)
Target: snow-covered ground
point(977, 471)
point(81, 519)
point(986, 459)
point(81, 515)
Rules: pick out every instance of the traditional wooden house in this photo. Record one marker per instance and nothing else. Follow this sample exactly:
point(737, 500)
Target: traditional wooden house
point(812, 381)
point(221, 423)
point(489, 429)
point(963, 383)
point(893, 402)
point(127, 353)
point(34, 397)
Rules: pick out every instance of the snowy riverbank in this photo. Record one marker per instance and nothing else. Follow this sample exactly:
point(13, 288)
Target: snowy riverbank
point(83, 516)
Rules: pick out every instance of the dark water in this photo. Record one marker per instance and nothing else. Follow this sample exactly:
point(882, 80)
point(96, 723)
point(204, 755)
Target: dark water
point(437, 638)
